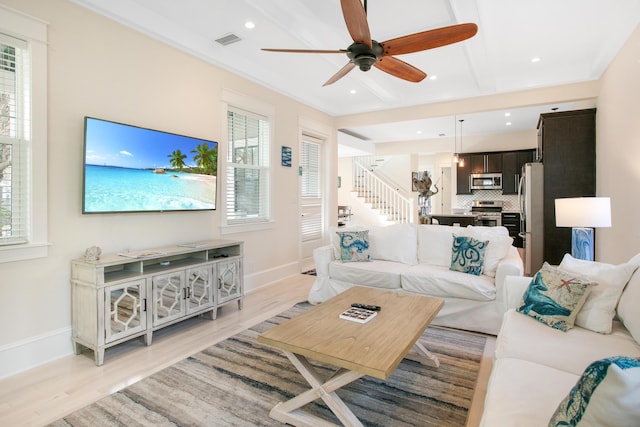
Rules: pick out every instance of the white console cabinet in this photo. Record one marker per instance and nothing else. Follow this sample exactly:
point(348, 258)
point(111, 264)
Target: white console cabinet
point(123, 296)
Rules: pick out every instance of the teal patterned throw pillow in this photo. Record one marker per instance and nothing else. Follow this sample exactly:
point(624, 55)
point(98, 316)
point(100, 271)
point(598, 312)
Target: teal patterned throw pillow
point(607, 394)
point(354, 245)
point(554, 297)
point(467, 255)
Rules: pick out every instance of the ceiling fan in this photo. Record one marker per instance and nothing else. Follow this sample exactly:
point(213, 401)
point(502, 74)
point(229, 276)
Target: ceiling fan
point(365, 52)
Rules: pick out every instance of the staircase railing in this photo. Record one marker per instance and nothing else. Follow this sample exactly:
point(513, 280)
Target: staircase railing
point(386, 199)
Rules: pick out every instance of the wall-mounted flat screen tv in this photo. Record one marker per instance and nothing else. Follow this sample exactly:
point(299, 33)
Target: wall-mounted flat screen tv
point(133, 169)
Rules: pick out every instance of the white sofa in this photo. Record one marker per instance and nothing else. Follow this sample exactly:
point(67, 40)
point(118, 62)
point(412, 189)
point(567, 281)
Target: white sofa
point(416, 258)
point(536, 366)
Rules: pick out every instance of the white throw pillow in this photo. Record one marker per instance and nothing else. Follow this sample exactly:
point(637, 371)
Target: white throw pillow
point(397, 242)
point(628, 310)
point(498, 248)
point(607, 394)
point(600, 307)
point(434, 244)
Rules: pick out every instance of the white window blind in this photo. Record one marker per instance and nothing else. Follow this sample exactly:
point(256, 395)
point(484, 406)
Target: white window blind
point(310, 189)
point(247, 171)
point(14, 140)
point(310, 170)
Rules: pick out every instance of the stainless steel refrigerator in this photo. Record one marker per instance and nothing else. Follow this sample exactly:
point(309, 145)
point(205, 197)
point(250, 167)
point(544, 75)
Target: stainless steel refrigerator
point(531, 202)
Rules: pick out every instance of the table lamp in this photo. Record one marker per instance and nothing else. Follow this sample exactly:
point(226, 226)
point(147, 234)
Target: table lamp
point(583, 214)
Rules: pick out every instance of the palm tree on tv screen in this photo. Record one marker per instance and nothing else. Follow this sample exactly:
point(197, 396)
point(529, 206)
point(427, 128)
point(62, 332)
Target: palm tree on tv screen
point(206, 158)
point(177, 159)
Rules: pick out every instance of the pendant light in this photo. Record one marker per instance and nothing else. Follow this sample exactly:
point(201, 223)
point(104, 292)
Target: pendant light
point(461, 159)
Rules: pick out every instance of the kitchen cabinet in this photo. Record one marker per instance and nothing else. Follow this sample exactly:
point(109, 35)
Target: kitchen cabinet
point(512, 163)
point(568, 151)
point(486, 163)
point(511, 221)
point(123, 296)
point(463, 185)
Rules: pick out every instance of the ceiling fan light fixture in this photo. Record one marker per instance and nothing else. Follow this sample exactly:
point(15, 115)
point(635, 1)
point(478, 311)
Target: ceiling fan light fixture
point(365, 61)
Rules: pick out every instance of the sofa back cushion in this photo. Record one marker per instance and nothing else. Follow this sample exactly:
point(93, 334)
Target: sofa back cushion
point(629, 305)
point(600, 307)
point(435, 243)
point(397, 242)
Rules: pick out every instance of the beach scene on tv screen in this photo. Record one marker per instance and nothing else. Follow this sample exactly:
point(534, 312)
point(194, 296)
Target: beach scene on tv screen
point(132, 169)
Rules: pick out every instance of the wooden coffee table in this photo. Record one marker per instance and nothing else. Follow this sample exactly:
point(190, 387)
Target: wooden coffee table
point(374, 348)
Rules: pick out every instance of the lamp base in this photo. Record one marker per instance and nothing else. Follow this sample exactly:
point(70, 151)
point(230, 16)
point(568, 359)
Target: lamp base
point(582, 243)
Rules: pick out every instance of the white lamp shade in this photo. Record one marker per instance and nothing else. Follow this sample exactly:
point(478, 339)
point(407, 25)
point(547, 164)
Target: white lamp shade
point(583, 212)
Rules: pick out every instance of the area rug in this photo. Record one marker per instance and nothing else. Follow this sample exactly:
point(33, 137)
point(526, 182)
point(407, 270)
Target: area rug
point(237, 381)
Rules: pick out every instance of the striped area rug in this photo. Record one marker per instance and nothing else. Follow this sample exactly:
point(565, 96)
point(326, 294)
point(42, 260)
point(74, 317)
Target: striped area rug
point(237, 381)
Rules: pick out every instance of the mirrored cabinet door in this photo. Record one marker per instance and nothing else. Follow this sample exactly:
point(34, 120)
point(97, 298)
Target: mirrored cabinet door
point(199, 288)
point(168, 297)
point(125, 309)
point(229, 280)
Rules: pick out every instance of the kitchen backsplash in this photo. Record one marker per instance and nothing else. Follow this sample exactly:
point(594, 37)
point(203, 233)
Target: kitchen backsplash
point(464, 201)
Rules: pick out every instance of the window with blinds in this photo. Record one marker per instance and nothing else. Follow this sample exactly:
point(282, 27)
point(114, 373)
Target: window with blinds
point(14, 140)
point(247, 171)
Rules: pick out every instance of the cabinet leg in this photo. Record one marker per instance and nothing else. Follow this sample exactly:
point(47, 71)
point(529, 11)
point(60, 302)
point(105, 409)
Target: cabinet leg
point(99, 356)
point(240, 304)
point(147, 338)
point(77, 348)
point(214, 313)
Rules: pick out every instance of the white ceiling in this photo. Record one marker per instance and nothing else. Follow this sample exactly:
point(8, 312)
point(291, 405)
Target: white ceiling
point(574, 39)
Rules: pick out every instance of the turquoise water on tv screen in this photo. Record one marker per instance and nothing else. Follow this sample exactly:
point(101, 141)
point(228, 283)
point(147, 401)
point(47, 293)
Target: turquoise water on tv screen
point(118, 189)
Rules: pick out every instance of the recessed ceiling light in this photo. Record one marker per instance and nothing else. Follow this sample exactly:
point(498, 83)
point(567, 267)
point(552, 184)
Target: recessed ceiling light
point(250, 25)
point(433, 77)
point(507, 114)
point(353, 91)
point(508, 123)
point(535, 59)
point(419, 132)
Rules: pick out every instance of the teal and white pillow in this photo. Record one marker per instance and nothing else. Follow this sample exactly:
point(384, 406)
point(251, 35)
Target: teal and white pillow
point(467, 255)
point(607, 394)
point(354, 245)
point(554, 297)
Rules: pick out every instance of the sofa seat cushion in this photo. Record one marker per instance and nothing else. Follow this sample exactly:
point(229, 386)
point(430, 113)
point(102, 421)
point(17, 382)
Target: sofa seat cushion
point(523, 337)
point(524, 394)
point(377, 274)
point(439, 281)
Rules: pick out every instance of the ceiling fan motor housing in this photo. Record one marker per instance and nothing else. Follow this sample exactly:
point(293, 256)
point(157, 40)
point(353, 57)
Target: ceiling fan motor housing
point(364, 56)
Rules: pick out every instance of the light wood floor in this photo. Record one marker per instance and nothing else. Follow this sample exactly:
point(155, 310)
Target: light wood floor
point(49, 392)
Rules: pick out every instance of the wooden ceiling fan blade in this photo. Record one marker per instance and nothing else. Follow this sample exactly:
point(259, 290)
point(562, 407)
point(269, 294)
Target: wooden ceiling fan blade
point(429, 39)
point(340, 74)
point(400, 69)
point(304, 50)
point(356, 19)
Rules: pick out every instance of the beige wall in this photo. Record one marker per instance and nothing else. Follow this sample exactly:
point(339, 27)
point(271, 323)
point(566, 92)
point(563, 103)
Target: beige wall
point(102, 69)
point(618, 153)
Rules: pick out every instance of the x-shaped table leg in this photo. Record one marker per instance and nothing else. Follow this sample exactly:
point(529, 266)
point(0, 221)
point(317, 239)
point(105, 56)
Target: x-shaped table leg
point(289, 412)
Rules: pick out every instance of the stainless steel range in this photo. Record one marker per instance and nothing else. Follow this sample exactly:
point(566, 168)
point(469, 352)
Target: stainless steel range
point(487, 212)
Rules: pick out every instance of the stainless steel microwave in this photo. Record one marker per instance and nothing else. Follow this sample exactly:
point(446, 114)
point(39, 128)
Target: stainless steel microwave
point(485, 181)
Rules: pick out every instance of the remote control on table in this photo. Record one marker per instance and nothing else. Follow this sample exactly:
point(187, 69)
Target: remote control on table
point(366, 306)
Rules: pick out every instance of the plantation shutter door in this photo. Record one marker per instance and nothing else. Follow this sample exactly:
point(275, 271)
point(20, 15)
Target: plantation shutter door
point(247, 175)
point(15, 136)
point(310, 190)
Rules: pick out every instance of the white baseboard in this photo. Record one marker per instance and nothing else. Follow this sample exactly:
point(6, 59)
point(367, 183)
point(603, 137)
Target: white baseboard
point(34, 351)
point(265, 277)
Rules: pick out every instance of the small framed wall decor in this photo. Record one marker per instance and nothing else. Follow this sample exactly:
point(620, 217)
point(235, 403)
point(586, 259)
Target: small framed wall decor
point(286, 156)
